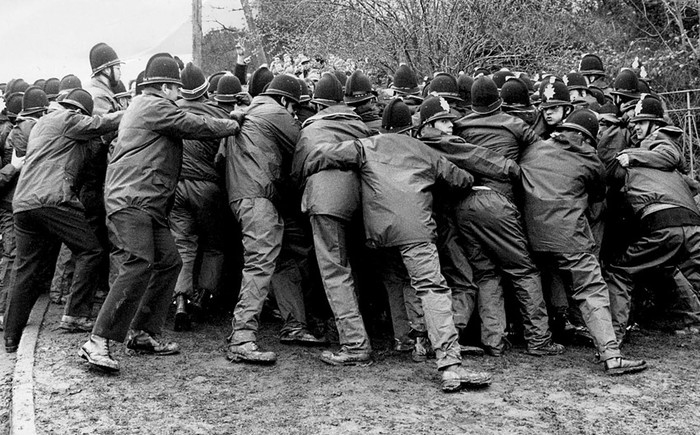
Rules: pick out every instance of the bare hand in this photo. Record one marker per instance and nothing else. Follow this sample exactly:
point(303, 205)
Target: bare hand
point(17, 162)
point(624, 160)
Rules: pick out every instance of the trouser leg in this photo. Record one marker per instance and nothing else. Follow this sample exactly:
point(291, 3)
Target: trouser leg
point(211, 219)
point(72, 228)
point(685, 303)
point(290, 274)
point(153, 307)
point(183, 228)
point(404, 304)
point(330, 244)
point(36, 252)
point(582, 272)
point(655, 250)
point(495, 221)
point(619, 284)
point(262, 230)
point(690, 268)
point(134, 235)
point(92, 198)
point(63, 277)
point(490, 297)
point(9, 251)
point(423, 267)
point(456, 270)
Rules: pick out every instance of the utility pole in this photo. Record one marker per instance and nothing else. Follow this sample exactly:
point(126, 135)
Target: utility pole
point(197, 32)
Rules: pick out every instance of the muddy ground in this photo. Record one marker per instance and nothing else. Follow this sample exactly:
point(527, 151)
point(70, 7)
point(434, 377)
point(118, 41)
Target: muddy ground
point(200, 392)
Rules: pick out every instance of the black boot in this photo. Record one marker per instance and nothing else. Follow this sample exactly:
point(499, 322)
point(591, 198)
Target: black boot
point(182, 319)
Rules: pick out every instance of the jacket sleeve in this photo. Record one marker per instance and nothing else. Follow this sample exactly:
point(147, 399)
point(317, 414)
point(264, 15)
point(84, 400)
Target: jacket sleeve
point(82, 128)
point(612, 140)
point(451, 175)
point(529, 136)
point(7, 174)
point(178, 123)
point(665, 157)
point(300, 157)
point(595, 186)
point(484, 162)
point(346, 155)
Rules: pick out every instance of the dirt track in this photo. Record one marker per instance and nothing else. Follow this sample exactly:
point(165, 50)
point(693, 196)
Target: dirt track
point(200, 392)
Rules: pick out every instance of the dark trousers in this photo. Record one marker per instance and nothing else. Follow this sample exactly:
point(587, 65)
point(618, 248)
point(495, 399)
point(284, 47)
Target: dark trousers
point(9, 251)
point(197, 221)
point(581, 273)
point(456, 268)
point(674, 252)
point(142, 292)
point(496, 244)
point(39, 234)
point(330, 243)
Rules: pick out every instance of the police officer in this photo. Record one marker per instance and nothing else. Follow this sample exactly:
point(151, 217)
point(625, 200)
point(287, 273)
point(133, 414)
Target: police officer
point(256, 162)
point(554, 210)
point(198, 214)
point(490, 221)
point(651, 182)
point(48, 212)
point(332, 199)
point(397, 173)
point(140, 184)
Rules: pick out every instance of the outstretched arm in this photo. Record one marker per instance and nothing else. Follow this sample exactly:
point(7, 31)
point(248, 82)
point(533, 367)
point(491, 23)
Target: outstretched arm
point(346, 155)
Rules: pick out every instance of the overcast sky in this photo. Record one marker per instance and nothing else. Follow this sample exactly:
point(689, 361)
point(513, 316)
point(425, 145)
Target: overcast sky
point(51, 38)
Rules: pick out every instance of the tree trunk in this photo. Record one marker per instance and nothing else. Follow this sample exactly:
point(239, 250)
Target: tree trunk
point(197, 32)
point(250, 20)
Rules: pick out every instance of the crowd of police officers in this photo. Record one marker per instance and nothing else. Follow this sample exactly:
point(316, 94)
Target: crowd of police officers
point(538, 205)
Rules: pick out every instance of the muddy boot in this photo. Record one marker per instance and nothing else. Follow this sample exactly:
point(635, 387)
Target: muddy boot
point(345, 357)
point(76, 324)
point(249, 352)
point(546, 349)
point(145, 342)
point(96, 352)
point(182, 319)
point(422, 350)
point(456, 376)
point(621, 366)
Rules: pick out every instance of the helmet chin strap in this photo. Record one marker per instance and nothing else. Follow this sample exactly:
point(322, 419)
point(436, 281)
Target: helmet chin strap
point(111, 77)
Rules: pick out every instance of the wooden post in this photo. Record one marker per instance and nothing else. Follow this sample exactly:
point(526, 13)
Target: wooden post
point(197, 32)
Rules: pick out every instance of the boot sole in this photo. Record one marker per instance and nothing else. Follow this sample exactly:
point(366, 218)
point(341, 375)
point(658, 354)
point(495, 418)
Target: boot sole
point(344, 363)
point(84, 355)
point(451, 387)
point(242, 359)
point(153, 352)
point(472, 352)
point(624, 371)
point(306, 343)
point(544, 353)
point(476, 382)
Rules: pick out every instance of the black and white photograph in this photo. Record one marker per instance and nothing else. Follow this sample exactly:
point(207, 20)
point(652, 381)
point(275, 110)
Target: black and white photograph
point(349, 217)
